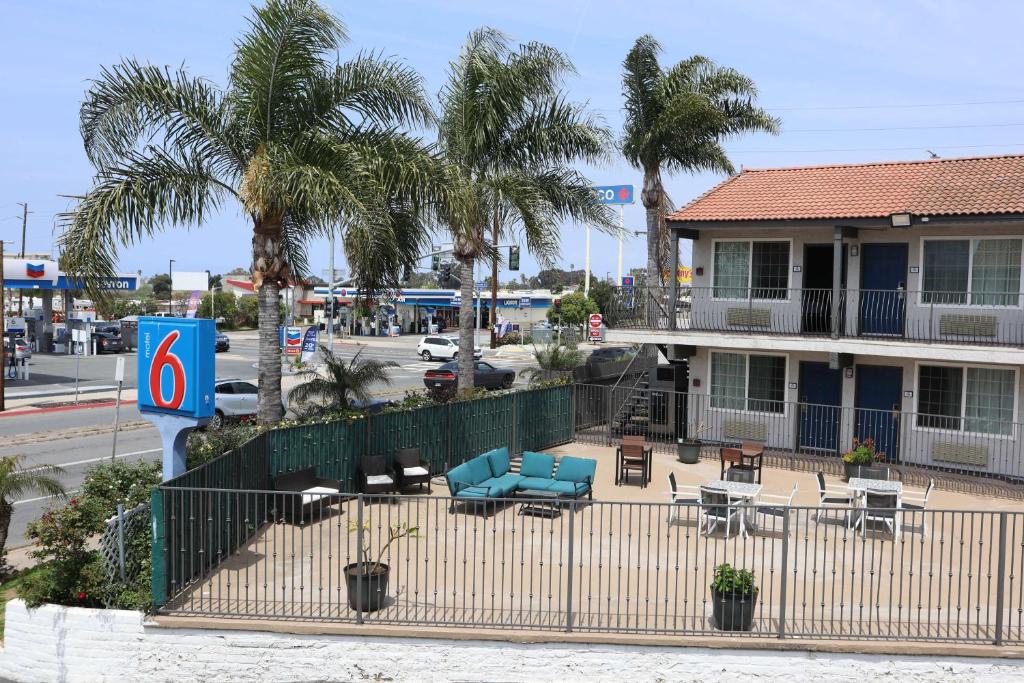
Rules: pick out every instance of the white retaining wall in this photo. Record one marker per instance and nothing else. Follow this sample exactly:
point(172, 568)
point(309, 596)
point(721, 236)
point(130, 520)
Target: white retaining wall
point(73, 644)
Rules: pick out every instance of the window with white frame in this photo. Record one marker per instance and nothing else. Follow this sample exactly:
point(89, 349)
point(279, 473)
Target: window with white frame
point(752, 382)
point(759, 269)
point(967, 399)
point(984, 272)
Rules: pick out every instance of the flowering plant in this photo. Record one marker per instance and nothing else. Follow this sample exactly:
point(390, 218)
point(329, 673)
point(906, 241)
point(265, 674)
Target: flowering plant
point(863, 453)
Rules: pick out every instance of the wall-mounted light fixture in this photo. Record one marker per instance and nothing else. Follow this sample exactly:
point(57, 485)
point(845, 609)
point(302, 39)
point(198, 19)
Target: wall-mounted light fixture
point(854, 250)
point(696, 382)
point(848, 372)
point(699, 271)
point(900, 220)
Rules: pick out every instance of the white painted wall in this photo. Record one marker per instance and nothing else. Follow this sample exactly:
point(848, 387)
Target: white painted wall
point(73, 644)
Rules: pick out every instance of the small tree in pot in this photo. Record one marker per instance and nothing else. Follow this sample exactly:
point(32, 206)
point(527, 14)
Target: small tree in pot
point(368, 590)
point(689, 448)
point(863, 454)
point(734, 597)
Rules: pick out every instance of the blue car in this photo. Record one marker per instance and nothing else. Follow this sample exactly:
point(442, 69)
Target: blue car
point(223, 343)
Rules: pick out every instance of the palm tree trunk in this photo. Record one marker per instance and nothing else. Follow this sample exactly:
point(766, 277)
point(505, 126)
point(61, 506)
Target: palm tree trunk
point(268, 268)
point(6, 510)
point(466, 323)
point(651, 196)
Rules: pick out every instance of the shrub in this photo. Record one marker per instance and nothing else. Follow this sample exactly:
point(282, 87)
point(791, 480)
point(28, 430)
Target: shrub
point(204, 445)
point(731, 581)
point(71, 572)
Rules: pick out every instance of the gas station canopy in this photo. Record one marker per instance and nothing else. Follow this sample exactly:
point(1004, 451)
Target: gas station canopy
point(43, 274)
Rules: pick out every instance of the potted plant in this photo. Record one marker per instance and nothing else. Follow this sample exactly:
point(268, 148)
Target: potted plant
point(368, 590)
point(862, 454)
point(689, 448)
point(734, 597)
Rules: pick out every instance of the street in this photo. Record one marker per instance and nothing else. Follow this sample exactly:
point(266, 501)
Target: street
point(76, 439)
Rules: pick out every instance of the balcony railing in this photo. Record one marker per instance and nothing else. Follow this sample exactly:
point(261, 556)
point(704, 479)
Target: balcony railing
point(951, 317)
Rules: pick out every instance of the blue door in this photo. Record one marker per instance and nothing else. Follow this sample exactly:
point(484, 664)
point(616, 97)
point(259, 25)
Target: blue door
point(883, 279)
point(821, 394)
point(879, 392)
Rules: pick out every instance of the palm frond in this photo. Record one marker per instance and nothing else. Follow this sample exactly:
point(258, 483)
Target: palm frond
point(16, 480)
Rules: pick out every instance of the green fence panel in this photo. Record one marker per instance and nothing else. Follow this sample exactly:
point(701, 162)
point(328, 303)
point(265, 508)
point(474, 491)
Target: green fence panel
point(422, 427)
point(479, 426)
point(334, 449)
point(543, 418)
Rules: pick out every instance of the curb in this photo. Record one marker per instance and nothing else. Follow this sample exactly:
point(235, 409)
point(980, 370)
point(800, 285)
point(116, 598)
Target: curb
point(14, 412)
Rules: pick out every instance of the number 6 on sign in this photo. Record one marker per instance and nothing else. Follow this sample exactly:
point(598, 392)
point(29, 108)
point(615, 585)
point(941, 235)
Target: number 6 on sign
point(165, 358)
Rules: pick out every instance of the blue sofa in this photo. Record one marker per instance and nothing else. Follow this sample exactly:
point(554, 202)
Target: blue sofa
point(489, 476)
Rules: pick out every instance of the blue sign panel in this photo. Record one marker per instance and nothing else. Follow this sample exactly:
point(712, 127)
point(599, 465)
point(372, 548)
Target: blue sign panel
point(613, 194)
point(176, 366)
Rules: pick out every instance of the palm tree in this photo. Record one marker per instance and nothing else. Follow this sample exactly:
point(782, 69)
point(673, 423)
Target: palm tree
point(509, 136)
point(341, 382)
point(304, 144)
point(677, 120)
point(16, 481)
point(554, 360)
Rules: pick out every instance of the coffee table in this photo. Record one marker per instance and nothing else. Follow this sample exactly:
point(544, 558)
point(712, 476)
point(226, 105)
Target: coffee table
point(542, 504)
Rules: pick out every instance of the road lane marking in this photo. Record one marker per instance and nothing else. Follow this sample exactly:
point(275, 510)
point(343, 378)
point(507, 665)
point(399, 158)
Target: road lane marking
point(99, 459)
point(36, 500)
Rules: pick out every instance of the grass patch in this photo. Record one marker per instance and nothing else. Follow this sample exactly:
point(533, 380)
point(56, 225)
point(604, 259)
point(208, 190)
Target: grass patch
point(9, 591)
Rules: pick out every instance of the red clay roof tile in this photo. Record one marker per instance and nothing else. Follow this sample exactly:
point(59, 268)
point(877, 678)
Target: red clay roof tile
point(968, 186)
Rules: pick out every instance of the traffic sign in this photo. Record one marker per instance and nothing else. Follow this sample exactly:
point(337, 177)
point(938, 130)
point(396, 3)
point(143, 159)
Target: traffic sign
point(613, 194)
point(594, 331)
point(595, 320)
point(627, 280)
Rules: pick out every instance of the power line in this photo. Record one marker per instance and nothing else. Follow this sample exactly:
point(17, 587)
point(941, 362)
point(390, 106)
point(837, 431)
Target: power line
point(869, 149)
point(881, 128)
point(896, 106)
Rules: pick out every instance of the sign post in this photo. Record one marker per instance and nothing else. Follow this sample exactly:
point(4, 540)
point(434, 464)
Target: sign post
point(119, 378)
point(176, 381)
point(594, 332)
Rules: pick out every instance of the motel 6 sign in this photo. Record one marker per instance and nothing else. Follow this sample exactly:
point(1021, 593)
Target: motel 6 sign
point(176, 366)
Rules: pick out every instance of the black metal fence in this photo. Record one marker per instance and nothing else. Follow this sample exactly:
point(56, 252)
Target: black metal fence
point(604, 414)
point(948, 575)
point(952, 317)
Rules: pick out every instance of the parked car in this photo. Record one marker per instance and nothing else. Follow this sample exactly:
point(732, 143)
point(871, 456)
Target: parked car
point(484, 375)
point(611, 354)
point(233, 399)
point(442, 348)
point(107, 342)
point(22, 350)
point(112, 329)
point(223, 343)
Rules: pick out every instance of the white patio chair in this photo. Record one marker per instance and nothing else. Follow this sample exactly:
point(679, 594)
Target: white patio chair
point(881, 506)
point(834, 498)
point(919, 504)
point(681, 495)
point(718, 506)
point(777, 508)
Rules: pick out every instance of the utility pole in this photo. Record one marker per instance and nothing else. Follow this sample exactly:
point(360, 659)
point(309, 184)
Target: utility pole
point(24, 225)
point(493, 315)
point(330, 297)
point(170, 288)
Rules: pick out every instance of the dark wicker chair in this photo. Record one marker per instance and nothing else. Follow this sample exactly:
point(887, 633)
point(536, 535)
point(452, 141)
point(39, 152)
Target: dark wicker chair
point(312, 493)
point(374, 475)
point(411, 469)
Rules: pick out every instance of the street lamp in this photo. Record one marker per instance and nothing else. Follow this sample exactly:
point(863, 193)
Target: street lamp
point(170, 289)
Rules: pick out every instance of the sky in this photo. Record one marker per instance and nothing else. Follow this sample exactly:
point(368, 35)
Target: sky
point(852, 82)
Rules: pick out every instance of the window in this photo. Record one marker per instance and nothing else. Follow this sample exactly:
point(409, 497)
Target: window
point(748, 382)
point(756, 269)
point(979, 400)
point(985, 272)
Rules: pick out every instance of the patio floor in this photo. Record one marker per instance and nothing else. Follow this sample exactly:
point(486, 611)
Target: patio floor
point(619, 564)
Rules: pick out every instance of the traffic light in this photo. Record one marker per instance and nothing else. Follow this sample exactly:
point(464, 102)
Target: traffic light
point(513, 258)
point(446, 271)
point(435, 262)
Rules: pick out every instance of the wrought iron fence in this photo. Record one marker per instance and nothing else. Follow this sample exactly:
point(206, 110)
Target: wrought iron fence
point(603, 414)
point(948, 575)
point(952, 317)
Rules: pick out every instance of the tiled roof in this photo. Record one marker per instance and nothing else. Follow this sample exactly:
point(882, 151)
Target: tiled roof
point(971, 186)
point(241, 284)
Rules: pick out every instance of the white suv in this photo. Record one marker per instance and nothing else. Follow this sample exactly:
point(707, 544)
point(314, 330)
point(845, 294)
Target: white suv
point(445, 348)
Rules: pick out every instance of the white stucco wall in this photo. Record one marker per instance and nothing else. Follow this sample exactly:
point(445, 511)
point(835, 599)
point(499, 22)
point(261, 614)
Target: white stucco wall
point(70, 644)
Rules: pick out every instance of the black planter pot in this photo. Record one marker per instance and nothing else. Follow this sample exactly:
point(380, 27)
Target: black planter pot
point(733, 612)
point(689, 452)
point(850, 470)
point(370, 593)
